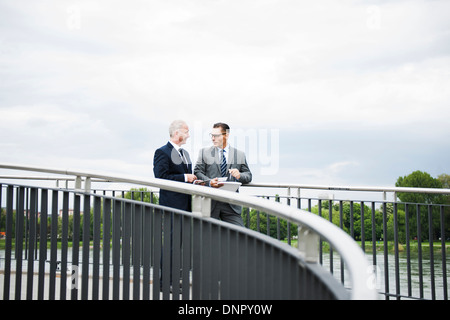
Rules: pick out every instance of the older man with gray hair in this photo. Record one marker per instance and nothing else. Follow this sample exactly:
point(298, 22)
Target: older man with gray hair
point(172, 162)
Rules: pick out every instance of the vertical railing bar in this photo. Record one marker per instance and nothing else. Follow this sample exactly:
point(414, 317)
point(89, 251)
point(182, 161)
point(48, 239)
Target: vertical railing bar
point(279, 264)
point(277, 199)
point(126, 253)
point(146, 246)
point(242, 265)
point(352, 228)
point(53, 246)
point(157, 254)
point(34, 228)
point(408, 250)
point(206, 261)
point(96, 248)
point(287, 276)
point(419, 250)
point(116, 236)
point(42, 243)
point(363, 233)
point(86, 245)
point(75, 246)
point(267, 222)
point(187, 249)
point(246, 212)
point(106, 247)
point(330, 219)
point(258, 219)
point(295, 267)
point(8, 241)
point(263, 289)
point(132, 224)
point(396, 253)
point(166, 269)
point(141, 226)
point(26, 221)
point(385, 248)
point(443, 253)
point(137, 241)
point(271, 271)
point(19, 240)
point(234, 263)
point(122, 228)
point(225, 264)
point(430, 241)
point(341, 225)
point(32, 237)
point(319, 203)
point(288, 222)
point(196, 260)
point(64, 245)
point(176, 255)
point(374, 240)
point(251, 268)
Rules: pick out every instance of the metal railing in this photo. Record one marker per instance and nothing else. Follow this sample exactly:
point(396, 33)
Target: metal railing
point(375, 217)
point(158, 248)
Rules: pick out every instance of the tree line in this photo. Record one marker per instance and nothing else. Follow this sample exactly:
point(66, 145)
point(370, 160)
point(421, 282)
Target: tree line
point(363, 221)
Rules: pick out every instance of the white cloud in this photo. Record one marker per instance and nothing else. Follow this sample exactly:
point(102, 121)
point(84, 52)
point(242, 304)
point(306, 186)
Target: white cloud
point(113, 73)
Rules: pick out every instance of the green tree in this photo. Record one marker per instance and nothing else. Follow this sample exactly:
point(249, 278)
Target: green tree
point(426, 201)
point(141, 194)
point(278, 228)
point(352, 212)
point(419, 179)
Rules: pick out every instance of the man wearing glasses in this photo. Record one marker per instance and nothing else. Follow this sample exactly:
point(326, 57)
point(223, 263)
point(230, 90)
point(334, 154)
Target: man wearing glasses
point(223, 161)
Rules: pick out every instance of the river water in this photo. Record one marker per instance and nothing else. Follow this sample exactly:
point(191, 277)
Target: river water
point(414, 277)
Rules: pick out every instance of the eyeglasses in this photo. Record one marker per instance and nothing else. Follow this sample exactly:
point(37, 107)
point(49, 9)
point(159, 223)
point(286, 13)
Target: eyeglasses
point(216, 135)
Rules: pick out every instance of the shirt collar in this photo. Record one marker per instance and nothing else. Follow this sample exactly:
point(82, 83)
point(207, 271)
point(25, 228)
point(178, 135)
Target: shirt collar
point(177, 147)
point(227, 148)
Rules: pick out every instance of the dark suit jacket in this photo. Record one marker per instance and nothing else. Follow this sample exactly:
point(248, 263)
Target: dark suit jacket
point(167, 164)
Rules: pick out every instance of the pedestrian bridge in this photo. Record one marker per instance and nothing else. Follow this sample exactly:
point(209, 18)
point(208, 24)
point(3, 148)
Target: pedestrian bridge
point(72, 241)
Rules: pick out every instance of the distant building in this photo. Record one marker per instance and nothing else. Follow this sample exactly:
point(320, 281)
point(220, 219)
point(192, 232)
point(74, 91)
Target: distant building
point(70, 212)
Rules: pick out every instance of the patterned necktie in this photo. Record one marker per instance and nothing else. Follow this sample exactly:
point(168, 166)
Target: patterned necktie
point(223, 164)
point(184, 160)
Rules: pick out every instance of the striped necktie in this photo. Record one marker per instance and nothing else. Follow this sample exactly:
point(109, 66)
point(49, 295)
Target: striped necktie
point(223, 164)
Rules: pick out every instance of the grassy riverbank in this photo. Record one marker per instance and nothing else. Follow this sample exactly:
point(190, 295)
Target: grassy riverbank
point(379, 246)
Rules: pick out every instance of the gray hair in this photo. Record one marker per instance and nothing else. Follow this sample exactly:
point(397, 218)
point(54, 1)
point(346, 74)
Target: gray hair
point(175, 125)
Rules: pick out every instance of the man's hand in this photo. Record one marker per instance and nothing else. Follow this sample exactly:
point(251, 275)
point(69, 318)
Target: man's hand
point(214, 183)
point(191, 178)
point(235, 173)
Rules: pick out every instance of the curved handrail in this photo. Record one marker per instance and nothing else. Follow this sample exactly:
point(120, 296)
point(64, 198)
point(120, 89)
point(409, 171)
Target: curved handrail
point(361, 273)
point(351, 188)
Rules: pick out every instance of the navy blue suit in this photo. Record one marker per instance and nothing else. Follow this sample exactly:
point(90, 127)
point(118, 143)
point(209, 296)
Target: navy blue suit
point(167, 164)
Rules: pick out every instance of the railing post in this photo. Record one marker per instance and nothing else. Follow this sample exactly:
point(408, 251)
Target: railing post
point(78, 183)
point(87, 184)
point(201, 205)
point(308, 242)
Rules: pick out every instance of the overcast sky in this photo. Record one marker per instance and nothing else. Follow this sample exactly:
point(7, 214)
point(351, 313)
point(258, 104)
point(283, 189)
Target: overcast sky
point(317, 92)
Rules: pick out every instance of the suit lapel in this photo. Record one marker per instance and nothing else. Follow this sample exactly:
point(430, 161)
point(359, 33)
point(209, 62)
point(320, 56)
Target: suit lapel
point(216, 156)
point(189, 163)
point(175, 155)
point(230, 158)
